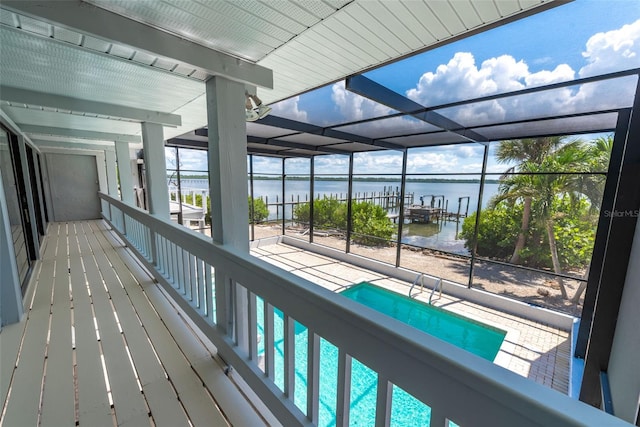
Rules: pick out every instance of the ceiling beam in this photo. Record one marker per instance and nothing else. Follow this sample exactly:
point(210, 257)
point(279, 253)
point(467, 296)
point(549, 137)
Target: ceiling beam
point(74, 145)
point(79, 133)
point(187, 143)
point(279, 154)
point(24, 96)
point(89, 19)
point(296, 145)
point(298, 126)
point(376, 92)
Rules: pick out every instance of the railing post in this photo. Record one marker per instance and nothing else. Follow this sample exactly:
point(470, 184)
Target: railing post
point(383, 402)
point(344, 389)
point(153, 247)
point(124, 224)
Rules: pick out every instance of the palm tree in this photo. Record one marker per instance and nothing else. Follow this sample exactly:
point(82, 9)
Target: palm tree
point(528, 154)
point(542, 184)
point(599, 154)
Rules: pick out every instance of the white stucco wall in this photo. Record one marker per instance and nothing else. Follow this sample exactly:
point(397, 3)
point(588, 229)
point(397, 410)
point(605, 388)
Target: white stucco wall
point(624, 365)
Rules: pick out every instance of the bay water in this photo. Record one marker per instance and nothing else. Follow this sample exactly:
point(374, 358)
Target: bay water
point(444, 235)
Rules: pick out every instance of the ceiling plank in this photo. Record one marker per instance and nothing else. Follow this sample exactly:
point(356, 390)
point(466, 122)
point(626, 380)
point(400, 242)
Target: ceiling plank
point(78, 133)
point(30, 97)
point(89, 19)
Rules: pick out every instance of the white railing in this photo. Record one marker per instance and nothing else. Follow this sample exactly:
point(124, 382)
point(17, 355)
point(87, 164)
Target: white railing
point(251, 311)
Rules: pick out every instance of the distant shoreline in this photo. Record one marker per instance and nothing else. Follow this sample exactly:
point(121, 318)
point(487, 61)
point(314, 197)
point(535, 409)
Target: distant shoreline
point(361, 179)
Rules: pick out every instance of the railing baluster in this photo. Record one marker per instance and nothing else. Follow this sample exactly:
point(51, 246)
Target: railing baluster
point(149, 239)
point(200, 284)
point(289, 357)
point(174, 263)
point(191, 267)
point(182, 273)
point(313, 376)
point(253, 327)
point(343, 402)
point(209, 293)
point(165, 256)
point(383, 402)
point(438, 419)
point(269, 361)
point(159, 245)
point(177, 262)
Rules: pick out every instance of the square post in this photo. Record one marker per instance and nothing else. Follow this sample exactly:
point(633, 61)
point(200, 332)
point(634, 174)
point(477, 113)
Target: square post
point(123, 159)
point(155, 170)
point(229, 205)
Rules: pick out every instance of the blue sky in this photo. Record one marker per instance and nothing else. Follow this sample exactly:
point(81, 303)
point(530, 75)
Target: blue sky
point(578, 39)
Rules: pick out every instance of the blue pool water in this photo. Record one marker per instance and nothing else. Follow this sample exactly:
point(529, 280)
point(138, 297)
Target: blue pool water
point(478, 338)
point(405, 409)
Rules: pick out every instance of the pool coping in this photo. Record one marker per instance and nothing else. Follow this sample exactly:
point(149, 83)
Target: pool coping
point(497, 302)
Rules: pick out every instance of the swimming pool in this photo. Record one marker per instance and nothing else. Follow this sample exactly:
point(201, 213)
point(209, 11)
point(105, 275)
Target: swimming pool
point(405, 409)
point(478, 338)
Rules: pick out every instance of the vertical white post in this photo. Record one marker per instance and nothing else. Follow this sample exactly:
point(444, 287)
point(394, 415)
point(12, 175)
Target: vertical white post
point(103, 186)
point(155, 170)
point(124, 172)
point(228, 162)
point(112, 176)
point(228, 191)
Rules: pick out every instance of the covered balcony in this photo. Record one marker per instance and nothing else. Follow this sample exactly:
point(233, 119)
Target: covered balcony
point(114, 314)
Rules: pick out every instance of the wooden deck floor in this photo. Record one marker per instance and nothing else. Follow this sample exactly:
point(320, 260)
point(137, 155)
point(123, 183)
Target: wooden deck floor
point(102, 345)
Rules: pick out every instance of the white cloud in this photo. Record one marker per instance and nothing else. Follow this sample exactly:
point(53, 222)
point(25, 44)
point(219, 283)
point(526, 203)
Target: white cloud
point(355, 107)
point(289, 108)
point(608, 52)
point(612, 51)
point(461, 78)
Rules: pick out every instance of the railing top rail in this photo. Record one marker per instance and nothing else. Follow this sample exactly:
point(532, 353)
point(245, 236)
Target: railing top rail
point(432, 370)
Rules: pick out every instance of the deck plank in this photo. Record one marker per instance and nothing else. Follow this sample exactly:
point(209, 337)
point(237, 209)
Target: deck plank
point(94, 408)
point(163, 400)
point(9, 344)
point(195, 397)
point(77, 285)
point(23, 404)
point(199, 355)
point(58, 397)
point(128, 402)
point(24, 401)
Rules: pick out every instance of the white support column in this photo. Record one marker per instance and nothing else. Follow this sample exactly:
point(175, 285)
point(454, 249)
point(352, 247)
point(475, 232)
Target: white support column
point(112, 173)
point(124, 172)
point(228, 162)
point(228, 191)
point(155, 170)
point(103, 187)
point(11, 308)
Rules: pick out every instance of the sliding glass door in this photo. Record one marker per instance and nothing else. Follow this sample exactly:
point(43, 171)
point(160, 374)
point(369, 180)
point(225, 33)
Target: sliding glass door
point(14, 191)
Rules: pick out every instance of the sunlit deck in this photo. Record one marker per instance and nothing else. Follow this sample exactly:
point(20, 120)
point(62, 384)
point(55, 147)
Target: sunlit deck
point(102, 345)
point(531, 349)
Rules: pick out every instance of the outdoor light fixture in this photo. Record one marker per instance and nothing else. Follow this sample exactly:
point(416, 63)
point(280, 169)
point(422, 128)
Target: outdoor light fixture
point(254, 108)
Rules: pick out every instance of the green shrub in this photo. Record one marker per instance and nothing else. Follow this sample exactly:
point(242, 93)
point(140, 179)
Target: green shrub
point(369, 224)
point(327, 213)
point(258, 211)
point(497, 232)
point(573, 225)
